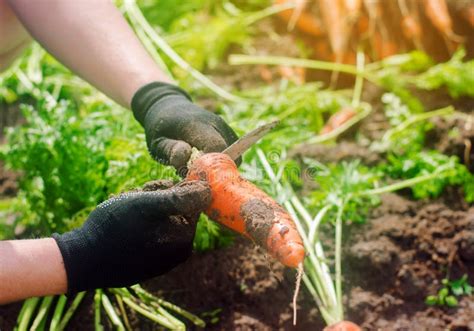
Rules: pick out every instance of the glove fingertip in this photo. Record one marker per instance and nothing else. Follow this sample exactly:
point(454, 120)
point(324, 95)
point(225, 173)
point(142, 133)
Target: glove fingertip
point(180, 154)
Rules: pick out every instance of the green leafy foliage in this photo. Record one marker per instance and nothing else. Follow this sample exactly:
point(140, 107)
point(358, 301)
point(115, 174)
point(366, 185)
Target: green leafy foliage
point(420, 163)
point(340, 185)
point(397, 112)
point(210, 235)
point(301, 110)
point(202, 40)
point(63, 164)
point(451, 289)
point(457, 76)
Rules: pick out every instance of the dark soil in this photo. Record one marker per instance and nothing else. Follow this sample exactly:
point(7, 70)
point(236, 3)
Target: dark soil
point(400, 256)
point(251, 291)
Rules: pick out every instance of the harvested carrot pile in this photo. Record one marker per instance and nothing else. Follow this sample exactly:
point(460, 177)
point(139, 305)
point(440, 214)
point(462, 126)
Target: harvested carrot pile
point(384, 28)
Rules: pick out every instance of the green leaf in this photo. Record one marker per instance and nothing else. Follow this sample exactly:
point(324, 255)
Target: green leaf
point(451, 301)
point(431, 300)
point(442, 294)
point(467, 289)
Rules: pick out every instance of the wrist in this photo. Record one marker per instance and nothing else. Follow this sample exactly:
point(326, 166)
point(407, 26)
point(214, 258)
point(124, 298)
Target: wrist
point(30, 268)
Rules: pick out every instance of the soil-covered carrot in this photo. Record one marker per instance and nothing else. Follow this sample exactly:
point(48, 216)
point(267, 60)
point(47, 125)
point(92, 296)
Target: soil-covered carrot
point(244, 208)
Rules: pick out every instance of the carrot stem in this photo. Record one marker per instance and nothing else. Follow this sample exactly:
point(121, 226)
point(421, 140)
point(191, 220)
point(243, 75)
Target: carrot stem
point(109, 309)
point(26, 313)
point(123, 312)
point(42, 312)
point(404, 183)
point(239, 59)
point(338, 259)
point(70, 312)
point(445, 111)
point(97, 304)
point(152, 299)
point(58, 311)
point(359, 83)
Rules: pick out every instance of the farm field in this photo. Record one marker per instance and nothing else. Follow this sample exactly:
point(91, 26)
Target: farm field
point(372, 158)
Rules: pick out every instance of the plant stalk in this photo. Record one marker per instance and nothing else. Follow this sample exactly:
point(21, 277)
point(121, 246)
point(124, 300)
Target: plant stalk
point(42, 312)
point(71, 310)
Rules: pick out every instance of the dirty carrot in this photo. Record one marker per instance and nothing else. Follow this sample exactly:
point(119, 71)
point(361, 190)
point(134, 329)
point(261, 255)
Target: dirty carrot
point(244, 208)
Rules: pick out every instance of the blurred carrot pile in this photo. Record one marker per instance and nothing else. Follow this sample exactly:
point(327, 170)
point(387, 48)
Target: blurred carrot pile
point(335, 29)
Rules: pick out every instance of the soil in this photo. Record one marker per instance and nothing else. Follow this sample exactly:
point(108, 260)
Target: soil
point(400, 256)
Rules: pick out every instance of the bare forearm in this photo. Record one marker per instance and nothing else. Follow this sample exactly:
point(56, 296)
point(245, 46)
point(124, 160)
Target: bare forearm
point(92, 38)
point(30, 268)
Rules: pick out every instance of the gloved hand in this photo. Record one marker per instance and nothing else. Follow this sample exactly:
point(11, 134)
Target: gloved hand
point(133, 237)
point(173, 124)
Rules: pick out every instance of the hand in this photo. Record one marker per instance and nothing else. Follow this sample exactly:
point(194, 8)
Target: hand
point(173, 124)
point(133, 237)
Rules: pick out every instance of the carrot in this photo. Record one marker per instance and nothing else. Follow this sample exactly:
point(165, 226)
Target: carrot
point(242, 207)
point(468, 14)
point(353, 8)
point(300, 6)
point(332, 13)
point(437, 12)
point(296, 75)
point(411, 27)
point(303, 21)
point(343, 326)
point(338, 119)
point(265, 73)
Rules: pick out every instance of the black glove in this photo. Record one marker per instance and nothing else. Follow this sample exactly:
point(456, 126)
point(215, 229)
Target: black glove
point(173, 124)
point(133, 237)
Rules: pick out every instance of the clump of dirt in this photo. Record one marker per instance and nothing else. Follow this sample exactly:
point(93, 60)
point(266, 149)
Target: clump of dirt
point(400, 256)
point(454, 137)
point(259, 219)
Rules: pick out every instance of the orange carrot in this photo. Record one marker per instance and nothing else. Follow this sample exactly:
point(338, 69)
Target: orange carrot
point(296, 75)
point(411, 27)
point(332, 13)
point(338, 119)
point(353, 8)
point(244, 208)
point(468, 14)
point(305, 22)
point(437, 12)
point(343, 326)
point(265, 73)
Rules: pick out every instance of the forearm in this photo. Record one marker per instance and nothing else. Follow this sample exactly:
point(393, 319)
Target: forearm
point(92, 38)
point(30, 268)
